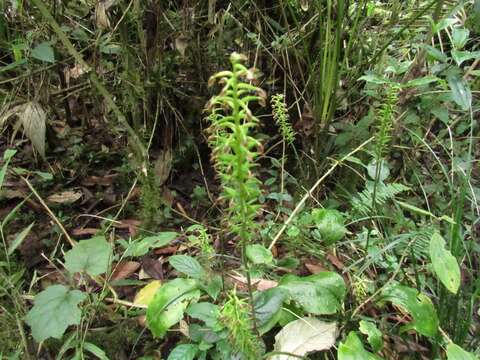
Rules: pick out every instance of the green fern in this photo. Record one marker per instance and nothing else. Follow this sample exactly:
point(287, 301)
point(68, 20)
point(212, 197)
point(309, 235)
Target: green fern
point(362, 202)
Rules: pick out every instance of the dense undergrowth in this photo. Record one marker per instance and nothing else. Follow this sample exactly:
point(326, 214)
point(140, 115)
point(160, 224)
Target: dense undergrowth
point(239, 180)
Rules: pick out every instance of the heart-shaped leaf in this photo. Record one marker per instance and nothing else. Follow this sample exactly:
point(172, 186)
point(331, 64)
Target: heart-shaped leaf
point(352, 349)
point(92, 256)
point(54, 309)
point(259, 254)
point(187, 265)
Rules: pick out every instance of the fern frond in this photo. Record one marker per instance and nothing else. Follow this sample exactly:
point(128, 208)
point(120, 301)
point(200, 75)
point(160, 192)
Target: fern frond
point(362, 202)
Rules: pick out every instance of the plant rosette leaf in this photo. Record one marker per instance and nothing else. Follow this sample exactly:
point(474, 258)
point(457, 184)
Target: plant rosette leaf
point(444, 263)
point(374, 336)
point(418, 305)
point(455, 352)
point(259, 254)
point(92, 256)
point(54, 309)
point(169, 303)
point(268, 307)
point(187, 265)
point(352, 349)
point(330, 224)
point(318, 294)
point(304, 336)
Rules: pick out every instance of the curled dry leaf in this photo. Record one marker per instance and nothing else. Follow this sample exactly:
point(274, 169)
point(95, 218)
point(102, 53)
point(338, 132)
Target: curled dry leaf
point(65, 197)
point(32, 117)
point(260, 284)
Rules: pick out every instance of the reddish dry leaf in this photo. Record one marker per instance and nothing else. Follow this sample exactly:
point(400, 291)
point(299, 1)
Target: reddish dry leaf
point(169, 250)
point(106, 180)
point(130, 224)
point(335, 261)
point(153, 268)
point(260, 284)
point(124, 269)
point(315, 268)
point(84, 231)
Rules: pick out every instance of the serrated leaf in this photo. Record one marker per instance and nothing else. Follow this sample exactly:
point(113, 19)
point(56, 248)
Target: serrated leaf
point(330, 224)
point(146, 294)
point(92, 256)
point(54, 309)
point(318, 294)
point(268, 307)
point(259, 254)
point(169, 303)
point(143, 246)
point(183, 352)
point(444, 263)
point(461, 92)
point(352, 349)
point(187, 265)
point(43, 52)
point(374, 336)
point(455, 352)
point(19, 239)
point(304, 336)
point(418, 305)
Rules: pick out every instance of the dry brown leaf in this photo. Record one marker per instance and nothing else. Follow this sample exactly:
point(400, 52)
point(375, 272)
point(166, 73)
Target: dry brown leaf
point(124, 269)
point(65, 197)
point(315, 268)
point(84, 231)
point(260, 284)
point(335, 261)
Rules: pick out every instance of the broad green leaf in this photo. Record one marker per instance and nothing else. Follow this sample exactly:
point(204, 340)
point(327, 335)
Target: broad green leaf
point(169, 304)
point(19, 239)
point(418, 305)
point(268, 307)
point(146, 294)
point(460, 37)
point(212, 285)
point(435, 53)
point(330, 224)
point(455, 352)
point(352, 349)
point(461, 56)
point(92, 256)
point(444, 263)
point(422, 81)
point(207, 312)
point(374, 79)
point(187, 265)
point(259, 254)
point(374, 336)
point(43, 52)
point(54, 309)
point(95, 350)
point(183, 352)
point(7, 156)
point(304, 336)
point(384, 171)
point(143, 246)
point(318, 294)
point(461, 92)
